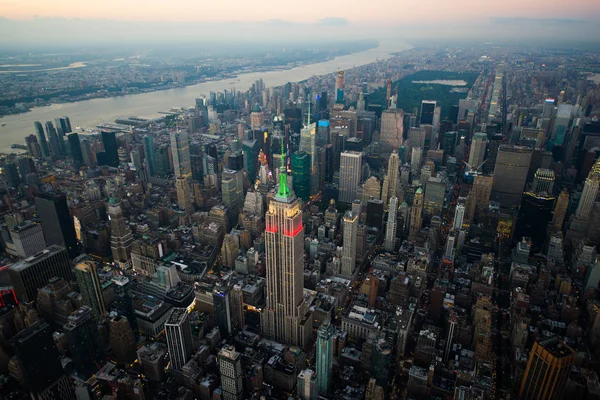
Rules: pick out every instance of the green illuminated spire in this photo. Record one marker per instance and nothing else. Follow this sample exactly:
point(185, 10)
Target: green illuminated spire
point(284, 191)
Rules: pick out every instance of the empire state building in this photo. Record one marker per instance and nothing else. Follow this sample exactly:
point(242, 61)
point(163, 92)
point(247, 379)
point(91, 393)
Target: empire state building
point(285, 317)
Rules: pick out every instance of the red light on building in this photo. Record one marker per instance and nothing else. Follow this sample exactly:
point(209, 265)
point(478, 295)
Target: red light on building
point(272, 229)
point(295, 232)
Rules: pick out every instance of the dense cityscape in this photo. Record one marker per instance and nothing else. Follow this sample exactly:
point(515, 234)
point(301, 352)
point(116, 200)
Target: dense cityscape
point(422, 227)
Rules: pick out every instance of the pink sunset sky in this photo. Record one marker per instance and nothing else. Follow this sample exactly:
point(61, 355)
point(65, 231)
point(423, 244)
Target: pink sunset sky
point(381, 11)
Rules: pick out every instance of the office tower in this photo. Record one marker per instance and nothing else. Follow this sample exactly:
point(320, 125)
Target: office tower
point(350, 175)
point(184, 200)
point(560, 211)
point(339, 88)
point(33, 147)
point(390, 231)
point(543, 181)
point(179, 337)
point(180, 150)
point(427, 111)
point(63, 125)
point(590, 192)
point(449, 144)
point(415, 161)
point(76, 154)
point(11, 174)
point(416, 215)
point(307, 385)
point(482, 190)
point(349, 249)
point(90, 288)
point(41, 137)
point(459, 215)
point(122, 340)
point(84, 340)
point(325, 357)
point(450, 246)
point(251, 150)
point(547, 371)
point(371, 189)
point(232, 188)
point(477, 153)
point(322, 132)
point(28, 239)
point(38, 357)
point(390, 182)
point(230, 368)
point(33, 273)
point(149, 153)
point(121, 238)
point(301, 175)
point(26, 167)
point(282, 318)
point(308, 145)
point(111, 149)
point(56, 221)
point(392, 129)
point(55, 147)
point(510, 174)
point(229, 250)
point(222, 308)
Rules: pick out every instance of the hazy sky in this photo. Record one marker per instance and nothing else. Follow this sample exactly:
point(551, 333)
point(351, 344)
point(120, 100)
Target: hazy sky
point(383, 11)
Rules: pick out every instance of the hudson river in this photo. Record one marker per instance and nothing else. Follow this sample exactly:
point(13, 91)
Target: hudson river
point(89, 113)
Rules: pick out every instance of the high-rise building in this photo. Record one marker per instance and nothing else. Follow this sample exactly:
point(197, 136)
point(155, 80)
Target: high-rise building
point(459, 215)
point(482, 190)
point(590, 192)
point(534, 216)
point(222, 310)
point(121, 238)
point(38, 357)
point(339, 88)
point(230, 368)
point(510, 174)
point(548, 370)
point(232, 188)
point(39, 131)
point(56, 221)
point(179, 337)
point(416, 215)
point(184, 199)
point(28, 239)
point(149, 153)
point(478, 147)
point(76, 154)
point(122, 340)
point(308, 145)
point(560, 211)
point(390, 182)
point(543, 181)
point(350, 175)
point(307, 385)
point(111, 149)
point(427, 111)
point(33, 273)
point(54, 139)
point(390, 230)
point(180, 150)
point(392, 129)
point(90, 288)
point(86, 348)
point(349, 249)
point(284, 318)
point(325, 357)
point(301, 175)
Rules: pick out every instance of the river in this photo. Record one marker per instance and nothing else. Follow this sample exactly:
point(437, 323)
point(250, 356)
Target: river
point(89, 113)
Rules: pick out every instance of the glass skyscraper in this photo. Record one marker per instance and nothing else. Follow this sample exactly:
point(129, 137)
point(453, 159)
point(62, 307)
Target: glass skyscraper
point(324, 357)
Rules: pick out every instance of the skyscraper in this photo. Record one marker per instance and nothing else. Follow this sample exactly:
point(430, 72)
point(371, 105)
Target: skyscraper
point(390, 230)
point(230, 368)
point(339, 88)
point(350, 175)
point(543, 181)
point(459, 215)
point(548, 369)
point(179, 337)
point(325, 357)
point(149, 152)
point(90, 288)
point(534, 216)
point(28, 239)
point(416, 215)
point(349, 249)
point(590, 192)
point(180, 150)
point(283, 319)
point(482, 190)
point(84, 340)
point(39, 130)
point(392, 129)
point(111, 149)
point(222, 310)
point(301, 175)
point(121, 238)
point(478, 147)
point(122, 340)
point(510, 174)
point(56, 221)
point(427, 111)
point(54, 139)
point(560, 211)
point(390, 182)
point(232, 188)
point(76, 154)
point(182, 188)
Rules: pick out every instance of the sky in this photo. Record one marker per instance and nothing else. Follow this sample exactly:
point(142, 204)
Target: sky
point(89, 21)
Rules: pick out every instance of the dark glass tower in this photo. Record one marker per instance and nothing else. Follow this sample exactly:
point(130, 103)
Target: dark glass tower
point(39, 131)
point(534, 216)
point(76, 154)
point(84, 340)
point(301, 174)
point(53, 138)
point(56, 220)
point(222, 310)
point(149, 152)
point(111, 156)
